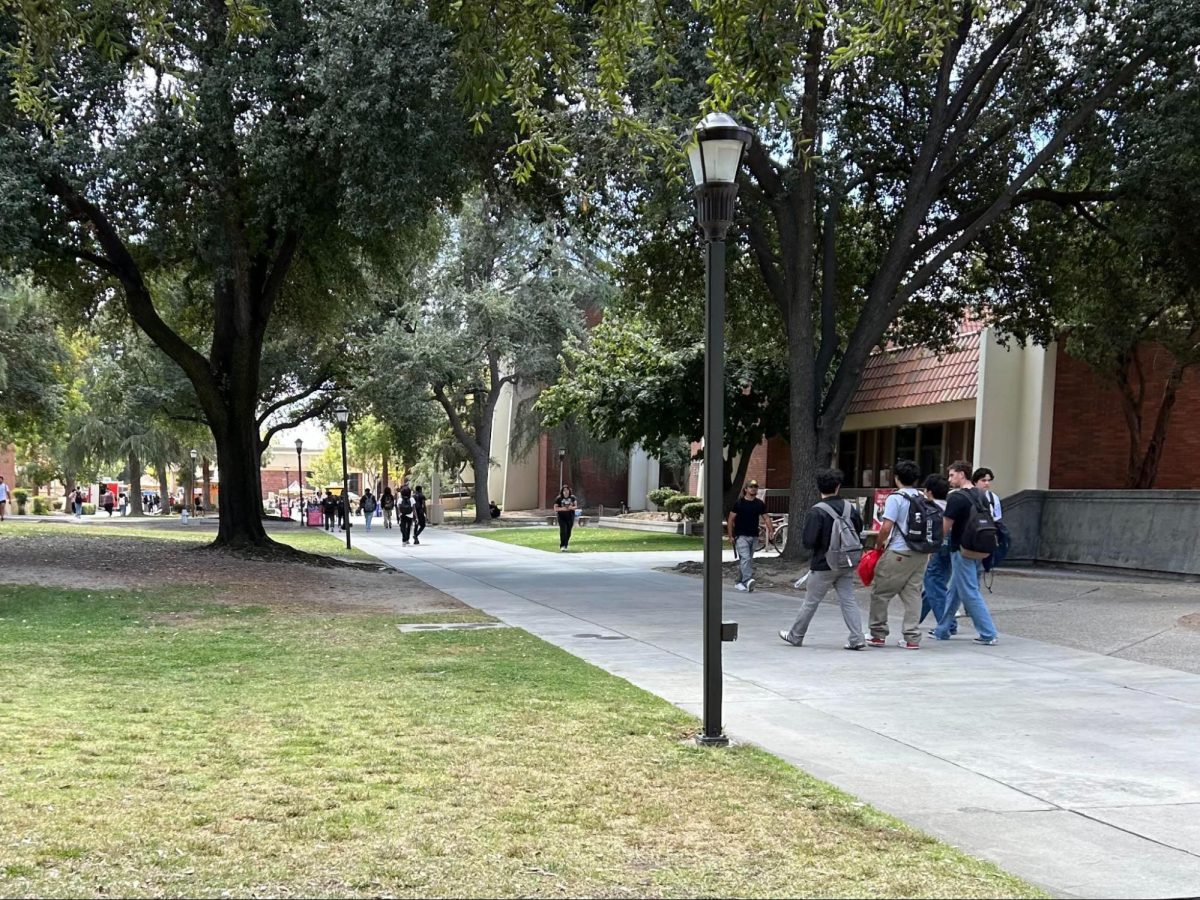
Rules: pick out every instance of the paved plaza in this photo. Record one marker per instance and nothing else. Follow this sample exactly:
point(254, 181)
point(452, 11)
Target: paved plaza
point(1065, 760)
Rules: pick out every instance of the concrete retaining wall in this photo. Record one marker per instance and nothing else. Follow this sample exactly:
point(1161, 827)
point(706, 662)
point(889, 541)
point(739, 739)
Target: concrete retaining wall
point(1153, 531)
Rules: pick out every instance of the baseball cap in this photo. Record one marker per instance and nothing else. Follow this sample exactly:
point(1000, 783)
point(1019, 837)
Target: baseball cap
point(751, 483)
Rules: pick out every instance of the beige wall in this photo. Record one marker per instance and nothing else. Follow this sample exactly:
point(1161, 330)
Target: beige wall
point(1014, 414)
point(916, 415)
point(512, 480)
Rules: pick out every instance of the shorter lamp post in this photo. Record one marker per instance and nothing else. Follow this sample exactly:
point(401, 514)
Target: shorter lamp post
point(300, 481)
point(343, 419)
point(191, 498)
point(562, 454)
point(715, 156)
point(287, 486)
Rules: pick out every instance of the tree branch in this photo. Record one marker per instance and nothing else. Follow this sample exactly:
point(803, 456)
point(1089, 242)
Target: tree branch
point(311, 413)
point(456, 423)
point(322, 376)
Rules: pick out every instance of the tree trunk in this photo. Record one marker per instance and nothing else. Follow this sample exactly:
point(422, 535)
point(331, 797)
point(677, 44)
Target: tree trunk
point(135, 485)
point(1147, 472)
point(385, 470)
point(240, 510)
point(164, 490)
point(206, 481)
point(483, 512)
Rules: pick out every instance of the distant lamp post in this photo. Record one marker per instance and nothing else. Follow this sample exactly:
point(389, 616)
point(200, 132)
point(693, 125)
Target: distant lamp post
point(715, 156)
point(300, 480)
point(562, 454)
point(342, 414)
point(191, 498)
point(287, 486)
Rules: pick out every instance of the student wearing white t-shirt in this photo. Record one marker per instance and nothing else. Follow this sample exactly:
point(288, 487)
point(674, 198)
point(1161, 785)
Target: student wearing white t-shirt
point(3, 498)
point(900, 570)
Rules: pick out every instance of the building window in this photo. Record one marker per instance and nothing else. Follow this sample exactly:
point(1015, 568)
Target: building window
point(847, 457)
point(906, 443)
point(930, 456)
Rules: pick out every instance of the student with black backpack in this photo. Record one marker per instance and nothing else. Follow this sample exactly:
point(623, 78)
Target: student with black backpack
point(404, 512)
point(832, 530)
point(909, 534)
point(973, 536)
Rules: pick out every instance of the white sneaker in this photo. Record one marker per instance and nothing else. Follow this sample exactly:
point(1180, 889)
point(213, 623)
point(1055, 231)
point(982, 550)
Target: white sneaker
point(738, 586)
point(750, 585)
point(562, 549)
point(800, 582)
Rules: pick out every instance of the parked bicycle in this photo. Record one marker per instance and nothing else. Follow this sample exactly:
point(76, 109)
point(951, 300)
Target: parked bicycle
point(779, 526)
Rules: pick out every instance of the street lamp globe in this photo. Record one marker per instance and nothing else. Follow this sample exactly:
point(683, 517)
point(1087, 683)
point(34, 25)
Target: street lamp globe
point(299, 445)
point(342, 414)
point(715, 154)
point(193, 454)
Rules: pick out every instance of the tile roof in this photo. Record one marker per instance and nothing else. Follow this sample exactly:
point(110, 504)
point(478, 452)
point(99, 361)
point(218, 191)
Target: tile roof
point(914, 376)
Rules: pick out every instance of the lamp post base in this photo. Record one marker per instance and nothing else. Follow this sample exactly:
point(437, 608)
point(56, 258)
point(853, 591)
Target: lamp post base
point(705, 740)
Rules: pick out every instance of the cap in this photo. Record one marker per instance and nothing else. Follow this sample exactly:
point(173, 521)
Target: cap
point(751, 483)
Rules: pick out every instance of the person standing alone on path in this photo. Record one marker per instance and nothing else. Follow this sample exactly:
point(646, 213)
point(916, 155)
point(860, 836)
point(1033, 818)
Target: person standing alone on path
point(901, 569)
point(742, 528)
point(418, 502)
point(3, 498)
point(387, 503)
point(106, 500)
point(832, 531)
point(565, 505)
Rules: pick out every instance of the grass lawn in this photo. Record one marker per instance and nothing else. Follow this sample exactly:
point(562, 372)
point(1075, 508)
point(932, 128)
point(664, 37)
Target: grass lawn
point(584, 540)
point(163, 744)
point(311, 540)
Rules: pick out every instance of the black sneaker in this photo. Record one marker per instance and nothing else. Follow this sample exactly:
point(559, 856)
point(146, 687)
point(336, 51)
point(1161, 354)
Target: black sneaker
point(850, 646)
point(415, 541)
point(987, 642)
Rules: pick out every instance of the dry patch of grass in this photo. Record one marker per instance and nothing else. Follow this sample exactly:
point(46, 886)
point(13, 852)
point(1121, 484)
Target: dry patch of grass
point(159, 744)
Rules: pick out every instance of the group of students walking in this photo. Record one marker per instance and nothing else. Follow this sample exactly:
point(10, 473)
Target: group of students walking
point(934, 540)
point(408, 506)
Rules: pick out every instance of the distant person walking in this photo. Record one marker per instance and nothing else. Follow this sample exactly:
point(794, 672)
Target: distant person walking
point(107, 501)
point(77, 503)
point(565, 505)
point(368, 504)
point(742, 527)
point(404, 511)
point(419, 508)
point(387, 503)
point(983, 479)
point(329, 506)
point(832, 531)
point(4, 495)
point(901, 568)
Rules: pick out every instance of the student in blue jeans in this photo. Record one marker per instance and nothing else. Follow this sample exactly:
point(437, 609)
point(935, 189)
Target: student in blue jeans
point(964, 572)
point(935, 589)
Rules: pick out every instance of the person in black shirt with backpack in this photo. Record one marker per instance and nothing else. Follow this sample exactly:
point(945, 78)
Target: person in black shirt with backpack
point(404, 512)
point(973, 536)
point(418, 501)
point(832, 530)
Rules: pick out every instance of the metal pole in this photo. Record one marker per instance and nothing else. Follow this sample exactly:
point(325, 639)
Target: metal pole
point(300, 481)
point(560, 473)
point(345, 489)
point(714, 442)
point(288, 486)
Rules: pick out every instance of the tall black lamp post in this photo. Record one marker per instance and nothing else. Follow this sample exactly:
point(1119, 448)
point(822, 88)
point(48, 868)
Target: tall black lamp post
point(287, 486)
point(715, 156)
point(562, 454)
point(343, 419)
point(300, 481)
point(191, 498)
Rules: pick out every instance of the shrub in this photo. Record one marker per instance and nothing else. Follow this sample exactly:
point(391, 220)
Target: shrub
point(693, 512)
point(675, 505)
point(660, 496)
point(89, 509)
point(20, 495)
point(41, 506)
point(59, 504)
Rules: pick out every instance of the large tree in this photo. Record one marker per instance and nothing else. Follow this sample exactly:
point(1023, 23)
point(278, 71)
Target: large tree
point(916, 125)
point(498, 302)
point(255, 154)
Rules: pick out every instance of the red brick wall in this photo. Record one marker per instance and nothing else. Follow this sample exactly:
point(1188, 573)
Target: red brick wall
point(8, 467)
point(592, 486)
point(1090, 443)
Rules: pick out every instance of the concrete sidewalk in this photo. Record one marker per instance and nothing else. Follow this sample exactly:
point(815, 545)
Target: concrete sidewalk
point(1076, 770)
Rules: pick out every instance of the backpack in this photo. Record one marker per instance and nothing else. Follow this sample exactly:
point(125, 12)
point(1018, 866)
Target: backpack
point(389, 501)
point(369, 504)
point(980, 536)
point(922, 529)
point(405, 503)
point(845, 546)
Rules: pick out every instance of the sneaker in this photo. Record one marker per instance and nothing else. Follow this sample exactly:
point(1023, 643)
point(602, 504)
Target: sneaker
point(738, 586)
point(783, 636)
point(406, 543)
point(987, 642)
point(907, 645)
point(799, 582)
point(850, 646)
point(934, 635)
point(415, 541)
point(750, 584)
point(876, 642)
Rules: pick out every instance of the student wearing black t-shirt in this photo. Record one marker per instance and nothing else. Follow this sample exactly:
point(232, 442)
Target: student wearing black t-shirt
point(565, 505)
point(964, 572)
point(742, 526)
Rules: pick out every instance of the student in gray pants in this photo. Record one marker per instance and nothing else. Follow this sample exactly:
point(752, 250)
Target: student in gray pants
point(819, 527)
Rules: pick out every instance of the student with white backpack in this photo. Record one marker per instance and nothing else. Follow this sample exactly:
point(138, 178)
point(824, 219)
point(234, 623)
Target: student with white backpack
point(832, 530)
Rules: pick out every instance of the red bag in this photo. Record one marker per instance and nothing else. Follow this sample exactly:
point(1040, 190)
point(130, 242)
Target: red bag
point(866, 567)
